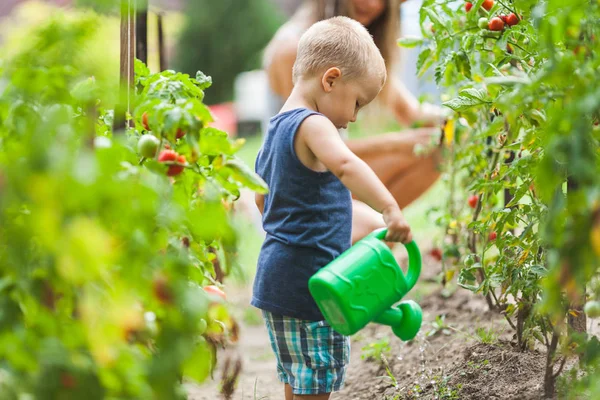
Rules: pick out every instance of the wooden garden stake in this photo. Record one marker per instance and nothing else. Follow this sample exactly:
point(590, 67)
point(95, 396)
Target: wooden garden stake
point(126, 67)
point(141, 31)
point(162, 56)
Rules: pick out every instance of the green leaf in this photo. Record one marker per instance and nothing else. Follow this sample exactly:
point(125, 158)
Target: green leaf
point(156, 167)
point(472, 93)
point(85, 91)
point(241, 173)
point(468, 42)
point(194, 302)
point(436, 18)
point(423, 15)
point(141, 69)
point(467, 280)
point(208, 222)
point(199, 365)
point(192, 89)
point(462, 103)
point(424, 61)
point(201, 112)
point(410, 41)
point(463, 64)
point(507, 80)
point(215, 142)
point(520, 192)
point(539, 270)
point(203, 81)
point(172, 119)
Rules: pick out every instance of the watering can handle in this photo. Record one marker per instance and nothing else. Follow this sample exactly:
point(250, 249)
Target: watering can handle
point(414, 258)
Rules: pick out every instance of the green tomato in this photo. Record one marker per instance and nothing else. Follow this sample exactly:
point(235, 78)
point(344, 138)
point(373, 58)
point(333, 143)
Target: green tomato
point(147, 145)
point(202, 325)
point(592, 309)
point(469, 260)
point(482, 23)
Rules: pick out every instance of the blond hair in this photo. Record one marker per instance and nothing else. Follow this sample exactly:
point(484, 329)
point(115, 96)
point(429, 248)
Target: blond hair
point(385, 29)
point(338, 42)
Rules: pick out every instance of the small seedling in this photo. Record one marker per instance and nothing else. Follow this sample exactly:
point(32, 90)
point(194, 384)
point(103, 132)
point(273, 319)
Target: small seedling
point(486, 335)
point(439, 325)
point(389, 372)
point(444, 390)
point(376, 349)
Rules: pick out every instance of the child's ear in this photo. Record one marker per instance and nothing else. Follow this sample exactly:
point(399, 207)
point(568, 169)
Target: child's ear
point(330, 78)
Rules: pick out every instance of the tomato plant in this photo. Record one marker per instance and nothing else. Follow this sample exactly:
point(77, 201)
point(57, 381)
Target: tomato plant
point(103, 256)
point(524, 139)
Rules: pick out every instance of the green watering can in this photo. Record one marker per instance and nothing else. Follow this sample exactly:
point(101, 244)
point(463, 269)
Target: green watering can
point(363, 284)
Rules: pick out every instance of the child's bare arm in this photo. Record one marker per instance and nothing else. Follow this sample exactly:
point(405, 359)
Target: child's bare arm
point(260, 202)
point(319, 135)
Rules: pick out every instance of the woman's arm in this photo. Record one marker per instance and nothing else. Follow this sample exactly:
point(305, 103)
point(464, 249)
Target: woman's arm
point(279, 68)
point(407, 108)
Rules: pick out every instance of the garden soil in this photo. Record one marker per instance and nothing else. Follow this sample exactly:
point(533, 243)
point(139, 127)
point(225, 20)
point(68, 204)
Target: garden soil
point(462, 352)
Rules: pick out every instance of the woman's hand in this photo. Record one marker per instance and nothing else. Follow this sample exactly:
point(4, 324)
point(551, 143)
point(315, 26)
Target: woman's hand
point(430, 114)
point(408, 110)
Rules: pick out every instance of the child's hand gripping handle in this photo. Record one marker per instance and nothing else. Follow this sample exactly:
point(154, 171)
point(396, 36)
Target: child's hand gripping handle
point(414, 258)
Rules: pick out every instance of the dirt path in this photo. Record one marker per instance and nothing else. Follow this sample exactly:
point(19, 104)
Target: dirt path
point(463, 352)
point(258, 379)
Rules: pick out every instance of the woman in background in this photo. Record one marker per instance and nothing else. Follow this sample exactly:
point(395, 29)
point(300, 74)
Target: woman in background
point(391, 155)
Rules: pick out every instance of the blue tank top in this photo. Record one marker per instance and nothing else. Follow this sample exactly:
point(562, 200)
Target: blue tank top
point(307, 219)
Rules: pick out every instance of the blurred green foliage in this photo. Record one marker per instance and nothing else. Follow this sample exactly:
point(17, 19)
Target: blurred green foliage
point(102, 256)
point(224, 38)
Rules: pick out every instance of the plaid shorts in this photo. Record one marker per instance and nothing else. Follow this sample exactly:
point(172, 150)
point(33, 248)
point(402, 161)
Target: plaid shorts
point(311, 357)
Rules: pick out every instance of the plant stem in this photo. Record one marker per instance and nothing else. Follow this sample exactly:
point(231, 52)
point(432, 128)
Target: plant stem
point(508, 8)
point(464, 30)
point(549, 377)
point(560, 368)
point(519, 46)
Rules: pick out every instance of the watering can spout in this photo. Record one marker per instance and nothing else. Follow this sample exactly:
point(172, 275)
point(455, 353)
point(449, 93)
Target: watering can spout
point(405, 319)
point(390, 317)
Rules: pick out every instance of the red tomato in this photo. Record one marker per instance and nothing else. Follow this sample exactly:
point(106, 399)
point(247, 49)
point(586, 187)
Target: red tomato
point(145, 121)
point(171, 156)
point(180, 133)
point(161, 290)
point(488, 4)
point(493, 236)
point(512, 19)
point(502, 17)
point(436, 253)
point(212, 289)
point(468, 6)
point(496, 24)
point(67, 380)
point(473, 200)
